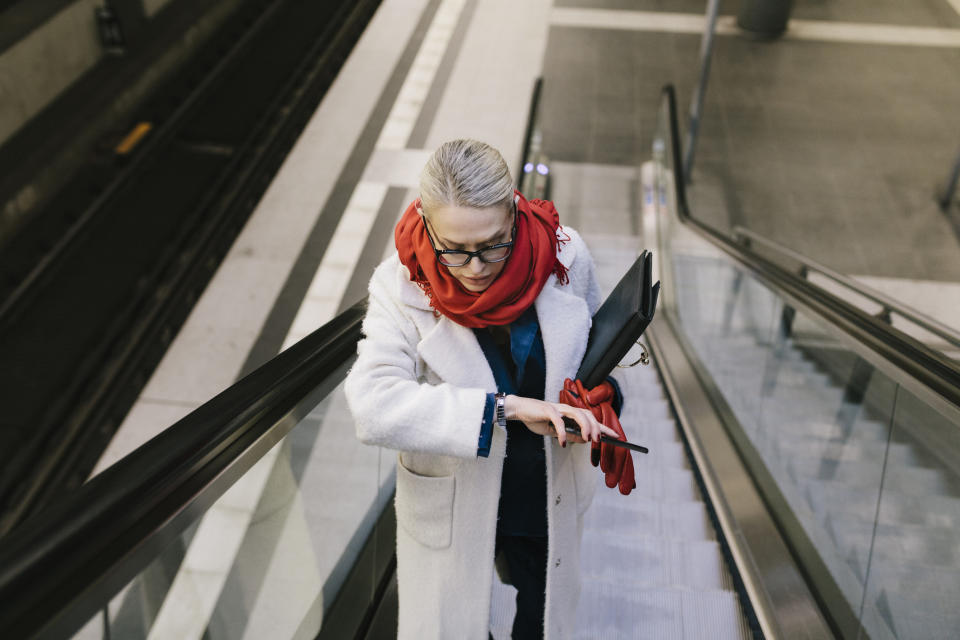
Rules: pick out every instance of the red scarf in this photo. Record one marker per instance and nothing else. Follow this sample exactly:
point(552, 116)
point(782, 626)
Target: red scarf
point(533, 259)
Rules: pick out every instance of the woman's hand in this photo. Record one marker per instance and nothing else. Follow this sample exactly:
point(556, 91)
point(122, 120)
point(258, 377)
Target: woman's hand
point(546, 419)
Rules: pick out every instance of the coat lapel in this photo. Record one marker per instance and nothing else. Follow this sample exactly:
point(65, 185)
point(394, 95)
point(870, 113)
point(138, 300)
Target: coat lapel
point(453, 353)
point(565, 323)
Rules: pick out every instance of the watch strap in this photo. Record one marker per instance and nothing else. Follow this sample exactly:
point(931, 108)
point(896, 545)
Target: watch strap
point(501, 415)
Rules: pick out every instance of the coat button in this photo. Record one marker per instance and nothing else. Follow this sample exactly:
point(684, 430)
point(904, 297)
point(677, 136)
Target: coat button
point(557, 501)
point(557, 563)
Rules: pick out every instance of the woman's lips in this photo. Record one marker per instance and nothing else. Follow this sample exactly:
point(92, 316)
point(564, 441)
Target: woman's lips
point(476, 280)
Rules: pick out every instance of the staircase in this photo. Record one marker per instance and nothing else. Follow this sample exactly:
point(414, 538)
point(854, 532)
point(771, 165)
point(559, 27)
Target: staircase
point(896, 557)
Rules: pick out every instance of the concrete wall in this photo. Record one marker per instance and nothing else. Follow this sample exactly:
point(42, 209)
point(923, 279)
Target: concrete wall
point(39, 67)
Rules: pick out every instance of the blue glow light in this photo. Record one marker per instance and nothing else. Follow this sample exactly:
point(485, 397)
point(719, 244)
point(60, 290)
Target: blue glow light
point(543, 169)
point(527, 168)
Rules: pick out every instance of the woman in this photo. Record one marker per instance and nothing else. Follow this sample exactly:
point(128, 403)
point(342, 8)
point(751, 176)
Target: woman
point(480, 315)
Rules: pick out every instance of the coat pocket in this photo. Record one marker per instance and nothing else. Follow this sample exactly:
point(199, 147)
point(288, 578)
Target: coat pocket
point(425, 507)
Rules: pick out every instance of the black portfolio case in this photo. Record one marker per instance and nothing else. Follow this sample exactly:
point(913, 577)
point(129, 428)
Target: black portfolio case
point(620, 321)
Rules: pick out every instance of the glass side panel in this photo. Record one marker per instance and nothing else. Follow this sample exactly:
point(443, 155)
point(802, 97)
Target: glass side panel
point(822, 434)
point(268, 559)
point(862, 475)
point(913, 586)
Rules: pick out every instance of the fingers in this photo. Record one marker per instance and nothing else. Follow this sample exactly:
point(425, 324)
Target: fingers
point(610, 432)
point(590, 427)
point(557, 421)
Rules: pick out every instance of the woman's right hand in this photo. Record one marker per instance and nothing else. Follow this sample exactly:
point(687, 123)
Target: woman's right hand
point(546, 419)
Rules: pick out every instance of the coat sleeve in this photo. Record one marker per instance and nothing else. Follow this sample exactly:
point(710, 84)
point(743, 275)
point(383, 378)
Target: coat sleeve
point(390, 406)
point(584, 273)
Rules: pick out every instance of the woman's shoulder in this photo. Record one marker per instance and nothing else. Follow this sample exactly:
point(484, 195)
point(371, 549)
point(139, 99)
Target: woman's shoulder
point(571, 247)
point(391, 280)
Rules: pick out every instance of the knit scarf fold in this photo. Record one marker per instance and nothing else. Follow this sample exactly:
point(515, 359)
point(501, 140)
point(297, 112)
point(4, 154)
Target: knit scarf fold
point(533, 259)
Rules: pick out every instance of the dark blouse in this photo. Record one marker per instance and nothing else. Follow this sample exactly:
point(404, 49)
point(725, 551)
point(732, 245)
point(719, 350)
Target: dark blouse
point(518, 361)
point(519, 368)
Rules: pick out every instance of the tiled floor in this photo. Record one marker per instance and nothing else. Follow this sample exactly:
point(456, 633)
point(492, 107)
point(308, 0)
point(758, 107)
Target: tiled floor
point(836, 149)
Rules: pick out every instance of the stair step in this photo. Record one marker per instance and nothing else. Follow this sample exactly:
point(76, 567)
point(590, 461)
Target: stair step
point(643, 561)
point(673, 520)
point(861, 430)
point(915, 481)
point(646, 410)
point(609, 611)
point(653, 483)
point(900, 545)
point(920, 605)
point(856, 449)
point(650, 431)
point(825, 497)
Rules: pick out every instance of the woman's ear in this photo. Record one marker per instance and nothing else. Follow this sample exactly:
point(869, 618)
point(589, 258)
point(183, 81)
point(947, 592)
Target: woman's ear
point(418, 203)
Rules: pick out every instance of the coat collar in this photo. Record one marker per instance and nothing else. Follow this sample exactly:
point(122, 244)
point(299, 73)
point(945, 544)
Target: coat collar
point(453, 353)
point(410, 292)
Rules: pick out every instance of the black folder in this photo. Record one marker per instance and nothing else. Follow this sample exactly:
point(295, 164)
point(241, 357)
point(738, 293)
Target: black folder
point(620, 321)
point(617, 325)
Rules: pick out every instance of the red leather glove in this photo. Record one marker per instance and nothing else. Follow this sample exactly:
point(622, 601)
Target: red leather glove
point(615, 462)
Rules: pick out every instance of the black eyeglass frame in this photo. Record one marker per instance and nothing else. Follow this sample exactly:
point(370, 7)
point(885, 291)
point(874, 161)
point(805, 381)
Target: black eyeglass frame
point(471, 254)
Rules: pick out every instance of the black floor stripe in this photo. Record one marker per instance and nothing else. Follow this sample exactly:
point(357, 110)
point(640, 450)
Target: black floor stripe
point(380, 234)
point(284, 310)
point(418, 138)
point(394, 202)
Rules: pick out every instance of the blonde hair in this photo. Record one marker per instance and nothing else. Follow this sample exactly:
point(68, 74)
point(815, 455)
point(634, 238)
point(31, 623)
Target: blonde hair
point(466, 173)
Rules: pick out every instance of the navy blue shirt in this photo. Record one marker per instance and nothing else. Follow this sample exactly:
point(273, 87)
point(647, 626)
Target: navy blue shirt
point(519, 368)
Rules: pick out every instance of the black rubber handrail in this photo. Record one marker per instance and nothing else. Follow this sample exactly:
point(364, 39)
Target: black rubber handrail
point(929, 367)
point(889, 305)
point(59, 567)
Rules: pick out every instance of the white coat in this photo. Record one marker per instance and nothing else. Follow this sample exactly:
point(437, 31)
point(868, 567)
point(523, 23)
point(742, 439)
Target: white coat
point(419, 386)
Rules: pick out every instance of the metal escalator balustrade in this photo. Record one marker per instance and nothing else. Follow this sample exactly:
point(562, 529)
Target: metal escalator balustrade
point(246, 519)
point(850, 428)
point(915, 323)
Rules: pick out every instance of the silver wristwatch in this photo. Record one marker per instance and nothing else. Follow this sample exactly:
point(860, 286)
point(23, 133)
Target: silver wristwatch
point(501, 414)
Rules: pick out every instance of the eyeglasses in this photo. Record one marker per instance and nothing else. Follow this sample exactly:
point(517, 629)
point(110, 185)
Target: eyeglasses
point(491, 254)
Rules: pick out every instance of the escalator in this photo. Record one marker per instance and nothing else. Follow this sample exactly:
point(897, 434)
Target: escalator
point(802, 480)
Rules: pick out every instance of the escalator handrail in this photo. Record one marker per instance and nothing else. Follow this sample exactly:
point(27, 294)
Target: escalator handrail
point(922, 320)
point(59, 567)
point(930, 368)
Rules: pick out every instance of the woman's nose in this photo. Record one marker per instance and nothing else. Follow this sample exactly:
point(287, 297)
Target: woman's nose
point(476, 265)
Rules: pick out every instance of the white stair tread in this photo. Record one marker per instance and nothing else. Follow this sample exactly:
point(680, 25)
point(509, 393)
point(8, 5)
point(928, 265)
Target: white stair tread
point(675, 520)
point(608, 611)
point(834, 497)
point(647, 561)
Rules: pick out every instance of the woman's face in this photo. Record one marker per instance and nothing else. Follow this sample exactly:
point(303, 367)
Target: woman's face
point(469, 229)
